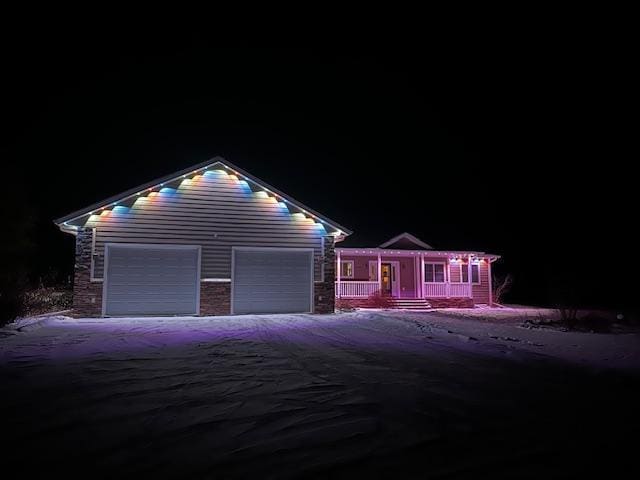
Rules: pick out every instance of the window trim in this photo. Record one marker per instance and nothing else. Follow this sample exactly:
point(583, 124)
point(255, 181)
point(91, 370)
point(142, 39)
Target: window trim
point(479, 282)
point(342, 263)
point(444, 271)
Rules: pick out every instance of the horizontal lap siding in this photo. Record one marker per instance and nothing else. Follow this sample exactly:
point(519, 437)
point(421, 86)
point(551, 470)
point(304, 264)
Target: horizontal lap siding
point(480, 291)
point(360, 267)
point(215, 212)
point(454, 272)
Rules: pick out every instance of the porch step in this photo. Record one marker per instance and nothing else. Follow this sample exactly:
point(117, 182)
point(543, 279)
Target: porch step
point(411, 303)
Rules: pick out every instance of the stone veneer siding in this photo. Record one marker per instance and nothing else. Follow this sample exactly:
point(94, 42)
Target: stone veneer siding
point(87, 295)
point(324, 292)
point(454, 302)
point(215, 298)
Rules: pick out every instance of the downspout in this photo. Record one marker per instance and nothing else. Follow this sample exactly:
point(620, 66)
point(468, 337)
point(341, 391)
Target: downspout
point(490, 284)
point(339, 271)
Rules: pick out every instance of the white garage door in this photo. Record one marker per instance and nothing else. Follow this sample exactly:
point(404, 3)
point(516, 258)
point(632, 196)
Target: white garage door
point(151, 280)
point(272, 280)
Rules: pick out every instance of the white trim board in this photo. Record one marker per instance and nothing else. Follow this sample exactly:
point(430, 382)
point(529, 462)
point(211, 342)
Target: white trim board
point(444, 271)
point(396, 288)
point(353, 266)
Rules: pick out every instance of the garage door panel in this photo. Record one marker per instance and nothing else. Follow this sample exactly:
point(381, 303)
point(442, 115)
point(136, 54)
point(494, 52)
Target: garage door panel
point(150, 308)
point(270, 305)
point(272, 281)
point(141, 289)
point(147, 280)
point(289, 291)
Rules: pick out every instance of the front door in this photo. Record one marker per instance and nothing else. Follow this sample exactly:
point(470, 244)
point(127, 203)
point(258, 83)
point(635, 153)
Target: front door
point(389, 276)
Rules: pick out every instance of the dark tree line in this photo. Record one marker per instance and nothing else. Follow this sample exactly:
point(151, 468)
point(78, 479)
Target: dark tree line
point(16, 249)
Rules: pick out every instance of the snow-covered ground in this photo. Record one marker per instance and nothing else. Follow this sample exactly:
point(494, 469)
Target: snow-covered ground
point(504, 326)
point(486, 331)
point(504, 313)
point(289, 395)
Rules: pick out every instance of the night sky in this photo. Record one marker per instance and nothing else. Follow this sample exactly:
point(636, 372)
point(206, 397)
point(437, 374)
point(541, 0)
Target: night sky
point(516, 151)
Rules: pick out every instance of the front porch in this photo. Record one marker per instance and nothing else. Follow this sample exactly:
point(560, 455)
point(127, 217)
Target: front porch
point(440, 278)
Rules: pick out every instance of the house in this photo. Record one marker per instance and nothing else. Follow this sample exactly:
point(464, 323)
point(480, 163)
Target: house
point(215, 240)
point(412, 275)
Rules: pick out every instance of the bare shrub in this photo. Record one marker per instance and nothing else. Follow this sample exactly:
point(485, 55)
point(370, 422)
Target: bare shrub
point(377, 300)
point(568, 316)
point(344, 305)
point(537, 321)
point(501, 286)
point(46, 299)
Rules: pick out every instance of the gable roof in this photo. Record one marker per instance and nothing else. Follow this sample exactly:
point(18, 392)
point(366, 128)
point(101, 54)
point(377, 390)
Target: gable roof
point(404, 241)
point(215, 161)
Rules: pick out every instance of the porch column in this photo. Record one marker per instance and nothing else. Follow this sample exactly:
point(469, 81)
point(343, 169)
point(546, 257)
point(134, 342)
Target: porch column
point(338, 277)
point(416, 277)
point(490, 282)
point(379, 274)
point(470, 279)
point(422, 293)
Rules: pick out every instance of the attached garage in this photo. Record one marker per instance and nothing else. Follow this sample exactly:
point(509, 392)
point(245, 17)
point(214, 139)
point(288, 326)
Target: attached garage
point(151, 280)
point(210, 239)
point(272, 280)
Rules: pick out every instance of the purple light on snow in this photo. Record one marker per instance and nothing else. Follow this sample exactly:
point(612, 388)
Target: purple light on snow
point(77, 338)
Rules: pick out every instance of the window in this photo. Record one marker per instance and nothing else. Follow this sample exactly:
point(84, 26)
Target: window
point(373, 271)
point(346, 269)
point(475, 273)
point(434, 272)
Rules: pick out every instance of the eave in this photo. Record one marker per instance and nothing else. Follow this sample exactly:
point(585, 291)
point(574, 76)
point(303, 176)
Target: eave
point(63, 222)
point(409, 253)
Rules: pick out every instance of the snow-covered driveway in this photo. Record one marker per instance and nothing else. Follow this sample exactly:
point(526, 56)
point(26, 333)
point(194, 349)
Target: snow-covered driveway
point(290, 395)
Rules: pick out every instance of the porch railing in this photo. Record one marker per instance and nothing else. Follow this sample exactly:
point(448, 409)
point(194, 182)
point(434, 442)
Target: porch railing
point(351, 289)
point(445, 289)
point(357, 289)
